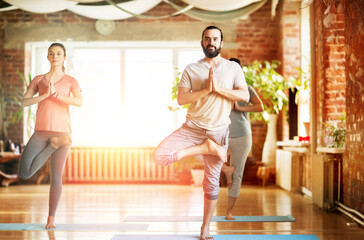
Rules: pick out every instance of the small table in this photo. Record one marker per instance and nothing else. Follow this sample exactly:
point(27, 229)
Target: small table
point(265, 172)
point(7, 156)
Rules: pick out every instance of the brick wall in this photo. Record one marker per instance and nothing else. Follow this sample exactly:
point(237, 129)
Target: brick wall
point(340, 85)
point(257, 37)
point(330, 63)
point(254, 38)
point(353, 161)
point(14, 62)
point(329, 67)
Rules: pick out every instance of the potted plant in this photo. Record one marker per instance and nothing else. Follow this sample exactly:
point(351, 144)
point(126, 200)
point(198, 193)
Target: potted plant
point(189, 171)
point(335, 133)
point(197, 170)
point(14, 98)
point(29, 114)
point(2, 110)
point(272, 88)
point(270, 85)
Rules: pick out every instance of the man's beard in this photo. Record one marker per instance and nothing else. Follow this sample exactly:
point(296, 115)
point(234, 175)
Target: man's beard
point(210, 54)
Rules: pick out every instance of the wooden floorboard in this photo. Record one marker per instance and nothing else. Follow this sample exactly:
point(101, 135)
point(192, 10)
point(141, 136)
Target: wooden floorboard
point(111, 204)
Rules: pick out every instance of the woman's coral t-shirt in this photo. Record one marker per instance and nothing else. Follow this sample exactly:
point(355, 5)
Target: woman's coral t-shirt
point(53, 114)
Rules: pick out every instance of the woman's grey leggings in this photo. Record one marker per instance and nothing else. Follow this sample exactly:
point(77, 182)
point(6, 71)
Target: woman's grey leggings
point(239, 150)
point(36, 153)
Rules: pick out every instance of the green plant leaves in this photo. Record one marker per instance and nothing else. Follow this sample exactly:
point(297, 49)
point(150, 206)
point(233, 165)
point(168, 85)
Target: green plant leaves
point(269, 84)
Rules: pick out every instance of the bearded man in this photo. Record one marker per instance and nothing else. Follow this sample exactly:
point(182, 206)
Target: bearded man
point(210, 85)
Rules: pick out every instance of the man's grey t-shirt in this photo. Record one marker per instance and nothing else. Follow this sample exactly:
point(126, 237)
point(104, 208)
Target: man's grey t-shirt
point(212, 111)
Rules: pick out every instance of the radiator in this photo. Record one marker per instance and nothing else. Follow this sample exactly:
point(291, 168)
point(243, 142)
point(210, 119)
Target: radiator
point(287, 170)
point(115, 165)
point(322, 181)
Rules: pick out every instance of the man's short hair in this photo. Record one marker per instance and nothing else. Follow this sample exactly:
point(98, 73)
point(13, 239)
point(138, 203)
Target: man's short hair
point(213, 27)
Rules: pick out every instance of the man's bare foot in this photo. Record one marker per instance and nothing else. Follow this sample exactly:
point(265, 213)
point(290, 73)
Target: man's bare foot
point(50, 223)
point(228, 171)
point(60, 141)
point(205, 234)
point(215, 149)
point(229, 216)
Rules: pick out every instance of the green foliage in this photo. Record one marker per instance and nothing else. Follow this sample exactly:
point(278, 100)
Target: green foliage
point(270, 85)
point(174, 91)
point(174, 94)
point(301, 82)
point(13, 98)
point(17, 95)
point(3, 101)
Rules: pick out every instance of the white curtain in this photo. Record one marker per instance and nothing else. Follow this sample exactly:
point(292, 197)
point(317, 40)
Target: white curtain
point(274, 6)
point(109, 12)
point(41, 6)
point(222, 15)
point(211, 10)
point(220, 5)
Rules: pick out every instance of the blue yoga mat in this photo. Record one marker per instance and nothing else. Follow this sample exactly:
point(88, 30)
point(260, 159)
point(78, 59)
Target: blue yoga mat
point(217, 237)
point(287, 218)
point(74, 227)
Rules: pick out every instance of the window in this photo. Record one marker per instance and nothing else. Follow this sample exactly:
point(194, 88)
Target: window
point(304, 115)
point(126, 89)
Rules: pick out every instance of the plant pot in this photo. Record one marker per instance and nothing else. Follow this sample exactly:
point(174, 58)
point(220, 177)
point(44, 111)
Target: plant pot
point(307, 127)
point(197, 176)
point(269, 148)
point(184, 177)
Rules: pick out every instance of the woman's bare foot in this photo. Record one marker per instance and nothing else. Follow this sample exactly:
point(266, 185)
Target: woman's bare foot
point(60, 141)
point(205, 234)
point(8, 176)
point(229, 216)
point(228, 171)
point(50, 223)
point(215, 149)
point(6, 182)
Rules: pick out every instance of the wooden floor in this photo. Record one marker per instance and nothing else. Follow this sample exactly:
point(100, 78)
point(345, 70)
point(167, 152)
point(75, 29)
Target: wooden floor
point(110, 204)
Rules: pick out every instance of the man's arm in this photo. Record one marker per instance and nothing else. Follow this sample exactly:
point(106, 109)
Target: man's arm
point(185, 96)
point(238, 94)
